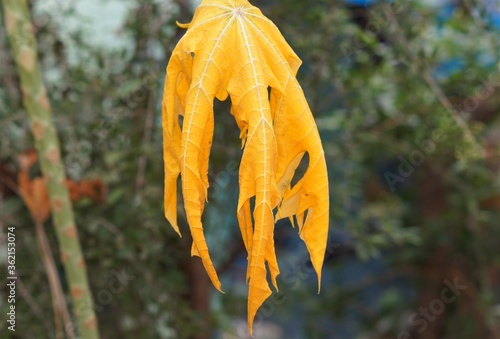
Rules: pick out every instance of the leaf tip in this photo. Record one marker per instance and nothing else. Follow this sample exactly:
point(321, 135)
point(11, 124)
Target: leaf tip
point(219, 288)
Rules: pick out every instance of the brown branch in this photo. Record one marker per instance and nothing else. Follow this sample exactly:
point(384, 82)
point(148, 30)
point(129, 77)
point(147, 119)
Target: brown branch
point(58, 302)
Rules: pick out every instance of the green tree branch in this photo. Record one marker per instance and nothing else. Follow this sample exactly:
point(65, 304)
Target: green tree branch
point(35, 99)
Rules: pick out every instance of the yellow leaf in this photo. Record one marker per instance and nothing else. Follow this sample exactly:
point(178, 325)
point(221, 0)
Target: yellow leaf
point(231, 49)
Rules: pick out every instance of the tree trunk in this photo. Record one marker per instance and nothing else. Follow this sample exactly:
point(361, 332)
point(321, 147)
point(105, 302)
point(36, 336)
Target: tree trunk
point(35, 99)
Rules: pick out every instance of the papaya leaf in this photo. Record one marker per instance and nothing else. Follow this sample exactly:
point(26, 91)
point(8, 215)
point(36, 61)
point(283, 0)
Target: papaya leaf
point(231, 49)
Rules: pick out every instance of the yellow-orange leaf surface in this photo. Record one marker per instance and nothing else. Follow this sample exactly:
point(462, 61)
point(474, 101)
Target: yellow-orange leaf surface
point(231, 49)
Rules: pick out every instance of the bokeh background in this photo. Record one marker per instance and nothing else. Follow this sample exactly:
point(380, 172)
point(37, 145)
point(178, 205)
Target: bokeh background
point(414, 243)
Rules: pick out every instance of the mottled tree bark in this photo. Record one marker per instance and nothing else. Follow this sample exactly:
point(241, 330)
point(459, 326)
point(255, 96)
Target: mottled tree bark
point(35, 99)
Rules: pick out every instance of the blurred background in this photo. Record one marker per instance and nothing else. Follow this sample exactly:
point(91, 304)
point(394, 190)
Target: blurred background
point(413, 249)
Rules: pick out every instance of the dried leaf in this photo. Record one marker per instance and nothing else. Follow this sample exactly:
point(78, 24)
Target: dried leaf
point(34, 191)
point(232, 49)
point(94, 189)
